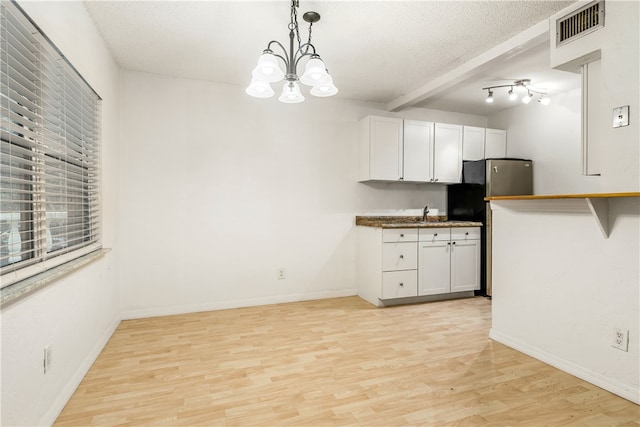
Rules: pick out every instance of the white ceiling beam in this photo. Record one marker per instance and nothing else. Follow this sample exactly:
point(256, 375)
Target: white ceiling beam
point(516, 45)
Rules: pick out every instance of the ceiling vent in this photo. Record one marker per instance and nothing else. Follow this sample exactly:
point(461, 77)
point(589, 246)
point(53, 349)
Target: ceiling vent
point(582, 21)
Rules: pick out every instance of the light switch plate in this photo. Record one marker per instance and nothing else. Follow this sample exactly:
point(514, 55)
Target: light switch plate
point(621, 116)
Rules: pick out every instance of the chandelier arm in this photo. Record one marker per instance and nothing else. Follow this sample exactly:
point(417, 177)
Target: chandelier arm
point(302, 55)
point(284, 58)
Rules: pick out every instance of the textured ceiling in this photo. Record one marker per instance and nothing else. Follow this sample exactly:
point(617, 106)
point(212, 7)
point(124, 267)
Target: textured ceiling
point(375, 50)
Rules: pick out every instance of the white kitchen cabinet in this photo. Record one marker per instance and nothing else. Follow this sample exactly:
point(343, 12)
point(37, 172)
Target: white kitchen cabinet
point(449, 262)
point(380, 149)
point(416, 263)
point(409, 150)
point(473, 143)
point(447, 153)
point(418, 149)
point(387, 263)
point(495, 144)
point(435, 272)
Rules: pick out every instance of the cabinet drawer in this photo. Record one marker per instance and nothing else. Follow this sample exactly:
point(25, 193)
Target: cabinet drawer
point(465, 233)
point(399, 284)
point(434, 234)
point(390, 235)
point(399, 256)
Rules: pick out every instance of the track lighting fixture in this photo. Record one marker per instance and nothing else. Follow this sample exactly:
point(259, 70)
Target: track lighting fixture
point(526, 85)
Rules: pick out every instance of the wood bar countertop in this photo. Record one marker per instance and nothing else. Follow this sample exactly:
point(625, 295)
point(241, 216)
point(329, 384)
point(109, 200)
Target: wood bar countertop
point(565, 196)
point(411, 222)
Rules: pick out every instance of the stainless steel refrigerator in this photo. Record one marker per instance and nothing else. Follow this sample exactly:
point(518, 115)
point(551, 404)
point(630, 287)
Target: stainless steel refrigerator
point(487, 178)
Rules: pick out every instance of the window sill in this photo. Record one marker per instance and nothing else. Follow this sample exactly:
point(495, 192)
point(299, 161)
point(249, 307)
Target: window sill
point(24, 287)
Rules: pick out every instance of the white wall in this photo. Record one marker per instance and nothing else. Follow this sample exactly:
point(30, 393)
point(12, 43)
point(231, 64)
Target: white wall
point(221, 189)
point(560, 288)
point(78, 313)
point(550, 136)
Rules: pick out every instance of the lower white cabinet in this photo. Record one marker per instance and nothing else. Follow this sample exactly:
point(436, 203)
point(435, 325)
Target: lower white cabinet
point(449, 262)
point(405, 263)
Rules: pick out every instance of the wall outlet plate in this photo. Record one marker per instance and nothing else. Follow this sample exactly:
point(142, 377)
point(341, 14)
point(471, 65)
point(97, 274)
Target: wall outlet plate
point(620, 339)
point(621, 116)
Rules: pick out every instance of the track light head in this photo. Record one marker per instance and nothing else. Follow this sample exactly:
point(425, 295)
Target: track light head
point(512, 95)
point(489, 99)
point(544, 100)
point(527, 98)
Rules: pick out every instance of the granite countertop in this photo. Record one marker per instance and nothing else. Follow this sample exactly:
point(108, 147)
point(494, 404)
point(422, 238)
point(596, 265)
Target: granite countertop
point(411, 222)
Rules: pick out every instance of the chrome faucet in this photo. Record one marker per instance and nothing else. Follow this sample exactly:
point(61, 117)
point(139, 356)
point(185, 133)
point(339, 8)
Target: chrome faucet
point(425, 211)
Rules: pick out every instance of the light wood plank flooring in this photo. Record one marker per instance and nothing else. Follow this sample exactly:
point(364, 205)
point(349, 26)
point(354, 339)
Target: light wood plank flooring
point(331, 362)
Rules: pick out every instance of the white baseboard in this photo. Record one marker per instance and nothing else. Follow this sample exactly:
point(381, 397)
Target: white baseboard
point(250, 302)
point(58, 405)
point(623, 390)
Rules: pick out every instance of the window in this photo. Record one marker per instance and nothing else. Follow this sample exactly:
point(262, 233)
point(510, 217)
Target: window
point(50, 153)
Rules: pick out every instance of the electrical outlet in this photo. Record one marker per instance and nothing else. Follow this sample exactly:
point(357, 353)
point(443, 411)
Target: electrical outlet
point(47, 360)
point(281, 274)
point(621, 339)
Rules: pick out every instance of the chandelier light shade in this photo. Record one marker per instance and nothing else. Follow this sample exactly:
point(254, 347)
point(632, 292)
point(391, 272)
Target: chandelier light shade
point(269, 70)
point(259, 89)
point(524, 84)
point(291, 93)
point(326, 89)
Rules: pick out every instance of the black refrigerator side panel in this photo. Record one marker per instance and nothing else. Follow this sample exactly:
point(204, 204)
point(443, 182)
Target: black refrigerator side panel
point(474, 172)
point(465, 202)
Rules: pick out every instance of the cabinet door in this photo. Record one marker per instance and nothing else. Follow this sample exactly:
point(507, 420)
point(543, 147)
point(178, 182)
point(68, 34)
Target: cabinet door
point(447, 153)
point(465, 265)
point(495, 144)
point(418, 145)
point(473, 143)
point(433, 268)
point(385, 142)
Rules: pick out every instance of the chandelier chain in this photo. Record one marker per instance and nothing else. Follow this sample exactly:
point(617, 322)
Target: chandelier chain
point(294, 20)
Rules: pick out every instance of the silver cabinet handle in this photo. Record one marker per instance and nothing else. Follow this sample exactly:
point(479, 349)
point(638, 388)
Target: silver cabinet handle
point(401, 284)
point(401, 256)
point(454, 243)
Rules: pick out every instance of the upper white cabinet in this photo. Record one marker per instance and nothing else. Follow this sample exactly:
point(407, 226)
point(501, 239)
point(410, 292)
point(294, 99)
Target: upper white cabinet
point(473, 143)
point(418, 146)
point(409, 150)
point(495, 145)
point(380, 149)
point(480, 143)
point(447, 153)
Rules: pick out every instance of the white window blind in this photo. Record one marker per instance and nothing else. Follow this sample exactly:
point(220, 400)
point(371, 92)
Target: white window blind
point(50, 153)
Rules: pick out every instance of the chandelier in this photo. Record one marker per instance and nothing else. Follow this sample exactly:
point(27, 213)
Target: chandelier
point(268, 70)
point(525, 84)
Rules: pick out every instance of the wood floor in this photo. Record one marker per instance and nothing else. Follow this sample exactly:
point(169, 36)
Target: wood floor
point(331, 362)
